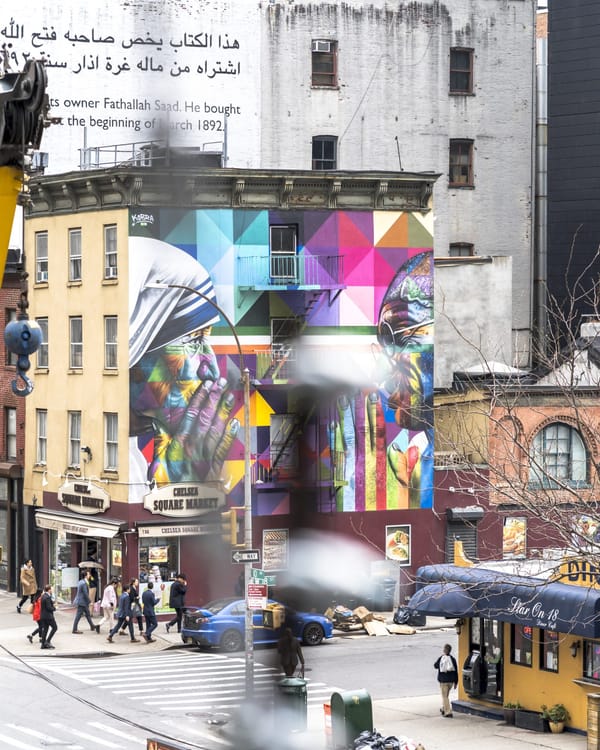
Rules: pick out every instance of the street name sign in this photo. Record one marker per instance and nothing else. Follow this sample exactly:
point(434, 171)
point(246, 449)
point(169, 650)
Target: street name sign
point(261, 577)
point(245, 556)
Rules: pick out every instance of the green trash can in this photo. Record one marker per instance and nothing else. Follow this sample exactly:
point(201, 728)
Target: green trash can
point(351, 714)
point(291, 704)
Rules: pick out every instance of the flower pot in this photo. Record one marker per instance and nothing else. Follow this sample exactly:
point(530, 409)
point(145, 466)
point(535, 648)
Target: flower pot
point(556, 726)
point(509, 715)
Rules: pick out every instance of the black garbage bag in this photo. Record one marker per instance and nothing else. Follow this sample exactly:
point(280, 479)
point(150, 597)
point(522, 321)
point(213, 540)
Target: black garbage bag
point(373, 740)
point(406, 616)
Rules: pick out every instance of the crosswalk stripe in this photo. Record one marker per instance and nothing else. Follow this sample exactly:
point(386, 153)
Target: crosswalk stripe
point(86, 736)
point(12, 742)
point(118, 733)
point(182, 681)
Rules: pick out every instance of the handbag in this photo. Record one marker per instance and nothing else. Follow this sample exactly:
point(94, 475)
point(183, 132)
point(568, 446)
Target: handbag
point(136, 610)
point(30, 609)
point(96, 608)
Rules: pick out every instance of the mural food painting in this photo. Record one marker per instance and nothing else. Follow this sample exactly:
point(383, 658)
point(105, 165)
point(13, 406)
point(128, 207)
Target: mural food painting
point(186, 404)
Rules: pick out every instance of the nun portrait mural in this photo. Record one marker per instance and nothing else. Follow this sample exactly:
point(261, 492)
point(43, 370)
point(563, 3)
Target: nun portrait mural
point(181, 428)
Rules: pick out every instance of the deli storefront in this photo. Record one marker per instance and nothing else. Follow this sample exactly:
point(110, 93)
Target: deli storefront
point(522, 640)
point(175, 528)
point(78, 525)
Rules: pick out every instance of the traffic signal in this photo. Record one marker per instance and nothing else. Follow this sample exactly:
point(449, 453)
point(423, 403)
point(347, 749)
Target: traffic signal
point(229, 530)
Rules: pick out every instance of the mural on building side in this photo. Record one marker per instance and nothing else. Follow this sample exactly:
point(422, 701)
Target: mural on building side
point(365, 277)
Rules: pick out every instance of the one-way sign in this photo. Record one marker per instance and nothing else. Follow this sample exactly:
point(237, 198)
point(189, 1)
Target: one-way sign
point(245, 556)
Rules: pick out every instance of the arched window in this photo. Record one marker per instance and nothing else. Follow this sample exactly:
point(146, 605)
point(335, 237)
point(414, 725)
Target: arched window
point(558, 453)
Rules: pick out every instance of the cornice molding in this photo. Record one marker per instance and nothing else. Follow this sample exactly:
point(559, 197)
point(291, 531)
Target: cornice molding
point(225, 188)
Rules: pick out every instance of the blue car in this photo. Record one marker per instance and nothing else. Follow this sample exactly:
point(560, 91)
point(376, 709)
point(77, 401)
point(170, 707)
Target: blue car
point(222, 623)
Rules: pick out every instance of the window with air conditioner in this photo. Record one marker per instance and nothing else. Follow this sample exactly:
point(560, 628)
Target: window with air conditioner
point(283, 244)
point(41, 257)
point(110, 251)
point(324, 63)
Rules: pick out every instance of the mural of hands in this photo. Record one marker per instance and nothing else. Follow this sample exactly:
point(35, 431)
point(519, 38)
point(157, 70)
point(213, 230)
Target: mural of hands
point(187, 405)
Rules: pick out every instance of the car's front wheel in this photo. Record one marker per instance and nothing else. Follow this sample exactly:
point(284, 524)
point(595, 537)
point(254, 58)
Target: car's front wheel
point(231, 640)
point(312, 634)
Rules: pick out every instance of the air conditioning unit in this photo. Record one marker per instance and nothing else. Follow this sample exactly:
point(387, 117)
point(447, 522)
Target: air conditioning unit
point(111, 273)
point(319, 45)
point(42, 276)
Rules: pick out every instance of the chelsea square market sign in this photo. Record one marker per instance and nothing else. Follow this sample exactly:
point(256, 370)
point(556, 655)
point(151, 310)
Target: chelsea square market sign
point(83, 497)
point(184, 500)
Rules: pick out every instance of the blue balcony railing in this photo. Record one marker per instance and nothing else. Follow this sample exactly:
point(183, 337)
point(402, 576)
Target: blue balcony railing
point(298, 271)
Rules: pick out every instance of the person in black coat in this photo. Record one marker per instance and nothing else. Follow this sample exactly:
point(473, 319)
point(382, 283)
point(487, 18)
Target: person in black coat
point(149, 601)
point(177, 601)
point(290, 653)
point(47, 619)
point(447, 677)
point(136, 609)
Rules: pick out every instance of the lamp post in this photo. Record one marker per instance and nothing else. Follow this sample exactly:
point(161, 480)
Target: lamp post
point(249, 639)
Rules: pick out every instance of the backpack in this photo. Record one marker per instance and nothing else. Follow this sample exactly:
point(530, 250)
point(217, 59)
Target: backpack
point(37, 607)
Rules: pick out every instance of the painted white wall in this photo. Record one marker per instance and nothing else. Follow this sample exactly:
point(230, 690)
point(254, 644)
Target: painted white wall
point(473, 303)
point(252, 59)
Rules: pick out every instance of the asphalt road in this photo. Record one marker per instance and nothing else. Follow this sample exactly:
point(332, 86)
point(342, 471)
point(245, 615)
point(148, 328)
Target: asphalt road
point(115, 702)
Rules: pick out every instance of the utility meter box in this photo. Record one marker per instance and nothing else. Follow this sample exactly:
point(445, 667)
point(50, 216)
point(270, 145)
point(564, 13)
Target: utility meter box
point(273, 616)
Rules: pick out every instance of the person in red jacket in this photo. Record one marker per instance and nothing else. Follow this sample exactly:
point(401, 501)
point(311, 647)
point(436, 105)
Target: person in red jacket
point(37, 603)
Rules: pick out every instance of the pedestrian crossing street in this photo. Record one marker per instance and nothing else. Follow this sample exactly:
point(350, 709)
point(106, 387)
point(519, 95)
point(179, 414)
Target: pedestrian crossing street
point(177, 682)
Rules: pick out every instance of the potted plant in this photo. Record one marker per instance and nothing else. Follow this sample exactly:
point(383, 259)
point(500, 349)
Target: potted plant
point(509, 711)
point(556, 715)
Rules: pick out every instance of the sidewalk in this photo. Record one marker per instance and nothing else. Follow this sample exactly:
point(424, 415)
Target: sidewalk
point(417, 718)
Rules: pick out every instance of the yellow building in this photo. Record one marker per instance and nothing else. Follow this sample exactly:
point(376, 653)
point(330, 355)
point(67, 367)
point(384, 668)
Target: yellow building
point(529, 640)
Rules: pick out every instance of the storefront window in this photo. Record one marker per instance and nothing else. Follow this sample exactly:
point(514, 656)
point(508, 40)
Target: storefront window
point(160, 556)
point(521, 646)
point(591, 660)
point(116, 558)
point(549, 650)
point(64, 552)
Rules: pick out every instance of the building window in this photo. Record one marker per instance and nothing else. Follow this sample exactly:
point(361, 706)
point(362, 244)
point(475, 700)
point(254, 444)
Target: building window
point(10, 414)
point(42, 352)
point(324, 152)
point(110, 342)
point(11, 357)
point(283, 243)
point(111, 458)
point(75, 343)
point(521, 644)
point(110, 251)
point(549, 650)
point(75, 438)
point(558, 456)
point(41, 418)
point(461, 163)
point(591, 660)
point(324, 63)
point(41, 257)
point(461, 71)
point(74, 254)
point(461, 249)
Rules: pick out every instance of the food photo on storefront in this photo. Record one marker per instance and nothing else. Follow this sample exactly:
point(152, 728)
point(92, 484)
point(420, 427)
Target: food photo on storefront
point(529, 641)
